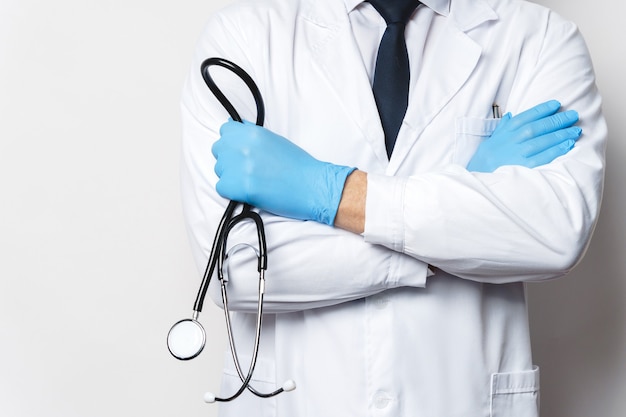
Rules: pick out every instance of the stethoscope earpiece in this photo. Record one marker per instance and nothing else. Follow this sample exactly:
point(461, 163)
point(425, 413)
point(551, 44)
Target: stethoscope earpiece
point(289, 385)
point(209, 397)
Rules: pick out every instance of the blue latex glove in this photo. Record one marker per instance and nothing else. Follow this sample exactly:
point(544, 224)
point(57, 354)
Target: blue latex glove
point(263, 169)
point(532, 138)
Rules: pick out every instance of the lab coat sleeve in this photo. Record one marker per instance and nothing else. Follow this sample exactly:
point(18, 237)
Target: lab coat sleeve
point(515, 224)
point(309, 265)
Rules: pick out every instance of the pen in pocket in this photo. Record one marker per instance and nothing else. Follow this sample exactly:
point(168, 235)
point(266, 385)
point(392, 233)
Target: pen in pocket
point(495, 109)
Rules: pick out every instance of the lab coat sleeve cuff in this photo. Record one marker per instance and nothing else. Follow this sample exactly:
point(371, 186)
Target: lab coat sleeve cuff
point(384, 211)
point(384, 226)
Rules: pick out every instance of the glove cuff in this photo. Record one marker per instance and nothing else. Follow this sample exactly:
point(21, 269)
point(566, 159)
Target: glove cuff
point(336, 176)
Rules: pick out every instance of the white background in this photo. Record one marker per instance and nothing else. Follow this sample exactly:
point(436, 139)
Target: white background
point(94, 260)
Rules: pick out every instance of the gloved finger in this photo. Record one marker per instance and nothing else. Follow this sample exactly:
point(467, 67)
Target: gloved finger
point(219, 187)
point(229, 188)
point(216, 148)
point(219, 168)
point(550, 124)
point(548, 155)
point(535, 113)
point(542, 143)
point(503, 123)
point(229, 128)
point(232, 136)
point(243, 133)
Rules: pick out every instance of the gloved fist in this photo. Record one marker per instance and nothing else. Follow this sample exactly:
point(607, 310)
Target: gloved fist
point(265, 170)
point(532, 138)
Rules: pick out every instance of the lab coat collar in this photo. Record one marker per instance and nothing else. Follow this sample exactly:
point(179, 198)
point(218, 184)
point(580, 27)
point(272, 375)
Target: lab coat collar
point(334, 50)
point(441, 7)
point(467, 14)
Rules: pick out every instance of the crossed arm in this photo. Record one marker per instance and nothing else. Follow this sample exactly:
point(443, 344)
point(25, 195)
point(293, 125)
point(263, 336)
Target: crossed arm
point(301, 187)
point(509, 224)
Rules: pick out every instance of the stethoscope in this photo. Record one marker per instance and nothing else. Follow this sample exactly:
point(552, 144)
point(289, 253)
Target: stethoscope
point(187, 338)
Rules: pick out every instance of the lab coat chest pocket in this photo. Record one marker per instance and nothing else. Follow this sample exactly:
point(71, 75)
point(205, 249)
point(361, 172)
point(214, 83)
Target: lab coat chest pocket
point(469, 133)
point(515, 394)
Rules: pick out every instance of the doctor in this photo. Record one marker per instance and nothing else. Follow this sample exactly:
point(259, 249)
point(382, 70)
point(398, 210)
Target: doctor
point(413, 304)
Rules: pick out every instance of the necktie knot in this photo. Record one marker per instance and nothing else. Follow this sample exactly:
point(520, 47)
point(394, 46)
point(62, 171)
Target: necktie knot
point(395, 11)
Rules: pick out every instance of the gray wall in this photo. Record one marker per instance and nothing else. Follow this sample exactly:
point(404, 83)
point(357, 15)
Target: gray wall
point(579, 323)
point(94, 258)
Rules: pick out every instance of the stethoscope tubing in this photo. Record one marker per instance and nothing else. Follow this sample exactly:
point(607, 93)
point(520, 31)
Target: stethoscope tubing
point(223, 228)
point(226, 224)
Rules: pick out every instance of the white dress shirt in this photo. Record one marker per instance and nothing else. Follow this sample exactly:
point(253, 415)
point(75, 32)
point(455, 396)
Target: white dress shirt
point(368, 27)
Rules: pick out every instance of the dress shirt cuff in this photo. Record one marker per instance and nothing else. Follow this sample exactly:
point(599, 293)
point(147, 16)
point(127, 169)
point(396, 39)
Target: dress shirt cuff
point(384, 225)
point(384, 211)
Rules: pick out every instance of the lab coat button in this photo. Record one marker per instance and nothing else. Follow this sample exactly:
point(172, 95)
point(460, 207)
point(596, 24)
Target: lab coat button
point(382, 400)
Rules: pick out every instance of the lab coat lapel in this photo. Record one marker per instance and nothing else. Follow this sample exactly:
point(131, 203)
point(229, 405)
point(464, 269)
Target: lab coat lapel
point(445, 68)
point(336, 55)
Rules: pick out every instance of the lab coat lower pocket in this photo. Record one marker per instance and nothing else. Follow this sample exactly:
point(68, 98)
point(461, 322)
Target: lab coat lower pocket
point(515, 394)
point(469, 133)
point(248, 404)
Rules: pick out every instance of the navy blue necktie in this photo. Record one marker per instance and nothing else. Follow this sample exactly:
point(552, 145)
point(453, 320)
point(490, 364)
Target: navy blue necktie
point(391, 77)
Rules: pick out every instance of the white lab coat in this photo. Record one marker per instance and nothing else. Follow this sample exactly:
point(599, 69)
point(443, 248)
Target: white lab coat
point(425, 314)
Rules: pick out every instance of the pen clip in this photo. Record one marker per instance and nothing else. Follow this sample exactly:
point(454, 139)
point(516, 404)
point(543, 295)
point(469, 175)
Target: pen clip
point(495, 110)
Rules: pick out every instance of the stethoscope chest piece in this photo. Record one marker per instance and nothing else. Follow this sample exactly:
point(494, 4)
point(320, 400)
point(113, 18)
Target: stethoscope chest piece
point(186, 339)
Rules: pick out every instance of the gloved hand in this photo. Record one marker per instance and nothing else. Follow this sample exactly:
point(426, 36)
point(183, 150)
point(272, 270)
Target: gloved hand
point(532, 138)
point(263, 169)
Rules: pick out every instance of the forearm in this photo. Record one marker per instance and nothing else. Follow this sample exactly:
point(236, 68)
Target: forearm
point(351, 211)
point(310, 265)
point(514, 224)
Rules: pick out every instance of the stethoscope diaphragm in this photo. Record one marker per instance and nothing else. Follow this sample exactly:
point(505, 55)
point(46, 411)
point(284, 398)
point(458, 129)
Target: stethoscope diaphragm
point(186, 339)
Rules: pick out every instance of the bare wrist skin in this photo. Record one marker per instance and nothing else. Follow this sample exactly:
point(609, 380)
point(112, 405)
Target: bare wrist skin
point(351, 211)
